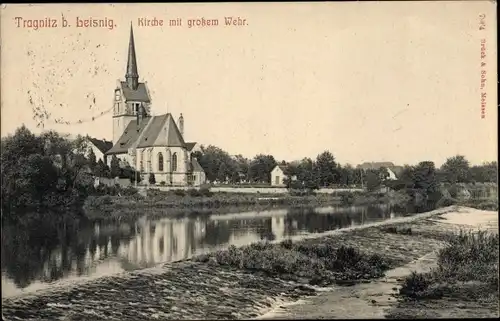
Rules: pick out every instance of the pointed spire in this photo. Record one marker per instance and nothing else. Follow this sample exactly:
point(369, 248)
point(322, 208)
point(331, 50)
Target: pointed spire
point(132, 76)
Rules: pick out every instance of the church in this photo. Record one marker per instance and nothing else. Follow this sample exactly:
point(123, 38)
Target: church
point(150, 144)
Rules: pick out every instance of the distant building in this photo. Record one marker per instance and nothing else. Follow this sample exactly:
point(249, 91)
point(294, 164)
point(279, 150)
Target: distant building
point(278, 176)
point(393, 170)
point(99, 147)
point(150, 144)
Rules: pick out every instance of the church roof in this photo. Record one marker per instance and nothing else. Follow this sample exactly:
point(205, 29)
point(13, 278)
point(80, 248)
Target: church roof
point(132, 60)
point(148, 133)
point(129, 136)
point(190, 146)
point(140, 94)
point(152, 137)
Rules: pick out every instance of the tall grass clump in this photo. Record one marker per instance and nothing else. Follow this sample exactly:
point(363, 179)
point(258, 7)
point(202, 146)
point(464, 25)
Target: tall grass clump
point(469, 261)
point(320, 264)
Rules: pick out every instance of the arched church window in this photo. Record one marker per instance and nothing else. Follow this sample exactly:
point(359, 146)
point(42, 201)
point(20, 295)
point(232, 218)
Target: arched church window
point(160, 162)
point(174, 162)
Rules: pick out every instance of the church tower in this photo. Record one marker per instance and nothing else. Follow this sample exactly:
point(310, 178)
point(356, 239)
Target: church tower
point(132, 101)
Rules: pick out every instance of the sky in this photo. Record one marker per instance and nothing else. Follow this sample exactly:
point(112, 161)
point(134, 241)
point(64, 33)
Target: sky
point(370, 81)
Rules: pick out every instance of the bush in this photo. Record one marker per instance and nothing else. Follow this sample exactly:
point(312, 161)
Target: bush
point(180, 192)
point(322, 263)
point(446, 201)
point(470, 258)
point(162, 183)
point(152, 179)
point(204, 191)
point(194, 192)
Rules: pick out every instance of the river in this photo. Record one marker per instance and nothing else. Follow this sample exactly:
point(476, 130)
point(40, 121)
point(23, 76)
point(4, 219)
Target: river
point(45, 257)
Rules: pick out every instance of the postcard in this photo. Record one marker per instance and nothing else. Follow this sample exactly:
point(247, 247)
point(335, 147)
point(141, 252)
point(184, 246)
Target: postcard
point(249, 160)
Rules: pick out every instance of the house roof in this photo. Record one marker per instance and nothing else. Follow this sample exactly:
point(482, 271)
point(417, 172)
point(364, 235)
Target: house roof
point(140, 94)
point(101, 144)
point(376, 165)
point(129, 136)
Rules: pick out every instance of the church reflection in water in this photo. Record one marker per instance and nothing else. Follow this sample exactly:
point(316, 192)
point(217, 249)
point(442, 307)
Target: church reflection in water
point(103, 249)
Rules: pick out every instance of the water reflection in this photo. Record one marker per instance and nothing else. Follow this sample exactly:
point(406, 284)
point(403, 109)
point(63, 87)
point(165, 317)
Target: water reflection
point(33, 258)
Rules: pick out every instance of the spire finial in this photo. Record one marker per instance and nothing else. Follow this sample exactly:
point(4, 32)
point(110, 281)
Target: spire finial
point(132, 76)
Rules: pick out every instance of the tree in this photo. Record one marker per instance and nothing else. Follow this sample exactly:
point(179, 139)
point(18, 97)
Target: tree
point(326, 169)
point(456, 170)
point(260, 168)
point(92, 159)
point(425, 178)
point(100, 169)
point(152, 179)
point(242, 166)
point(306, 176)
point(217, 164)
point(115, 167)
point(39, 172)
point(346, 175)
point(488, 172)
point(373, 181)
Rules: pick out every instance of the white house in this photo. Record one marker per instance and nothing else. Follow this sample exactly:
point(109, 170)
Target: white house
point(99, 147)
point(278, 176)
point(392, 176)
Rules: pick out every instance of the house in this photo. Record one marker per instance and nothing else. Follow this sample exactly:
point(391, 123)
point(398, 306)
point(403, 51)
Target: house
point(278, 175)
point(150, 144)
point(392, 169)
point(99, 147)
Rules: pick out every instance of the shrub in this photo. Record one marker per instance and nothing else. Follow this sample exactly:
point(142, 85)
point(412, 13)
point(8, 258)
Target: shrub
point(415, 284)
point(180, 192)
point(469, 257)
point(152, 179)
point(162, 183)
point(205, 191)
point(194, 192)
point(313, 263)
point(445, 201)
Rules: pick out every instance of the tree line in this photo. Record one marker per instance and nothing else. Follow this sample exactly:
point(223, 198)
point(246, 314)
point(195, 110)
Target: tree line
point(48, 170)
point(324, 171)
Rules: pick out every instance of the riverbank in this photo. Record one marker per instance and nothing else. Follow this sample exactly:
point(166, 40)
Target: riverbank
point(208, 289)
point(130, 204)
point(422, 287)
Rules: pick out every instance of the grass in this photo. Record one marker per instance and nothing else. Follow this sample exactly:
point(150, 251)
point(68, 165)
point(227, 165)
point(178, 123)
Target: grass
point(404, 230)
point(316, 264)
point(467, 270)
